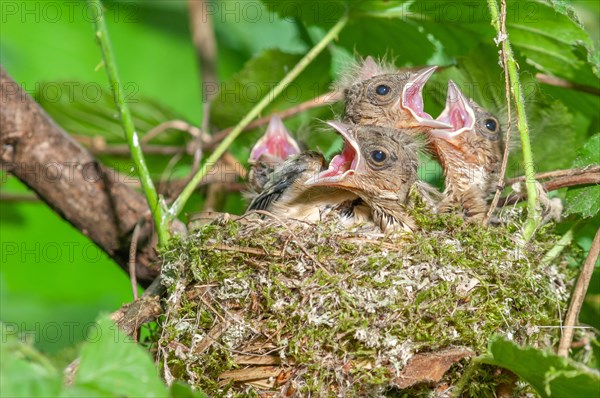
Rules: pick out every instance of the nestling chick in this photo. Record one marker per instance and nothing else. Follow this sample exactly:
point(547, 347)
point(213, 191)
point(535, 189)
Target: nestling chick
point(275, 146)
point(379, 165)
point(470, 153)
point(382, 97)
point(286, 195)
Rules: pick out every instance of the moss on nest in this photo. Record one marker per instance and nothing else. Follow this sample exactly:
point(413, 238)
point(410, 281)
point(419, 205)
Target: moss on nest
point(259, 308)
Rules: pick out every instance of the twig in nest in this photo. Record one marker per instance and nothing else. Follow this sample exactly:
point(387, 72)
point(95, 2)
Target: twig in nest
point(144, 309)
point(240, 249)
point(500, 186)
point(132, 254)
point(212, 336)
point(207, 303)
point(297, 240)
point(578, 296)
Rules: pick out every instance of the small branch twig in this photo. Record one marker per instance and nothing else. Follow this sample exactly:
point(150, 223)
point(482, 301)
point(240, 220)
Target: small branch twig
point(176, 125)
point(123, 149)
point(205, 44)
point(578, 296)
point(160, 221)
point(132, 252)
point(553, 185)
point(558, 82)
point(501, 183)
point(558, 173)
point(322, 100)
point(533, 211)
point(177, 207)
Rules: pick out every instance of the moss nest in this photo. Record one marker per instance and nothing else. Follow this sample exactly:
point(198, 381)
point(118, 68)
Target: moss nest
point(259, 306)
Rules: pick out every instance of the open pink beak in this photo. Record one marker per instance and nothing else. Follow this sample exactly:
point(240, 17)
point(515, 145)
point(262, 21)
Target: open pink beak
point(342, 165)
point(457, 113)
point(412, 99)
point(276, 142)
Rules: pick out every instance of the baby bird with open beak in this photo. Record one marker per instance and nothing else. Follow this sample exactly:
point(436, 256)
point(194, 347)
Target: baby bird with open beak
point(285, 193)
point(382, 96)
point(379, 165)
point(470, 153)
point(271, 150)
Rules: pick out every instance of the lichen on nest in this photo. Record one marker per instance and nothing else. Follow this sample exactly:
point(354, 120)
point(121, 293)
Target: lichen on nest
point(269, 307)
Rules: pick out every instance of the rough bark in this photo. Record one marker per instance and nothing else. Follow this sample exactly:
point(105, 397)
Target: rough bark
point(75, 185)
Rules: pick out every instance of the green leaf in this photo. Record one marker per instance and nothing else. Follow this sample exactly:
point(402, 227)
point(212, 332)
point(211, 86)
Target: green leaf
point(551, 375)
point(112, 364)
point(585, 200)
point(238, 95)
point(376, 27)
point(546, 35)
point(323, 13)
point(182, 390)
point(551, 38)
point(23, 371)
point(88, 109)
point(393, 37)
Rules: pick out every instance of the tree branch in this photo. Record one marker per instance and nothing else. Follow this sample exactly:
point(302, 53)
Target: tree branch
point(85, 193)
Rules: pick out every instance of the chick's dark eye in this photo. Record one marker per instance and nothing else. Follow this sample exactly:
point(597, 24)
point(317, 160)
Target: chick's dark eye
point(382, 89)
point(378, 156)
point(491, 124)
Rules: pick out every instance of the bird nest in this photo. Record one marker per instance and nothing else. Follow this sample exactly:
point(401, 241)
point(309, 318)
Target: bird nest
point(259, 306)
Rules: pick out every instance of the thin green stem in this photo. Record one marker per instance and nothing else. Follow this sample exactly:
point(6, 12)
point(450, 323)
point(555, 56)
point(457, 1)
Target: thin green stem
point(158, 213)
point(563, 242)
point(514, 84)
point(177, 206)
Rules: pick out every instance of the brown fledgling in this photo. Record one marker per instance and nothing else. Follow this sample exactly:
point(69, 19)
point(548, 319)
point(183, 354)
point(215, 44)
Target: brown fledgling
point(271, 150)
point(470, 153)
point(379, 165)
point(381, 96)
point(286, 195)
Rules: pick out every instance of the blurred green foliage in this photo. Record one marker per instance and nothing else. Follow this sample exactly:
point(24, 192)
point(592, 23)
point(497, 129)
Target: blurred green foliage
point(110, 365)
point(49, 285)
